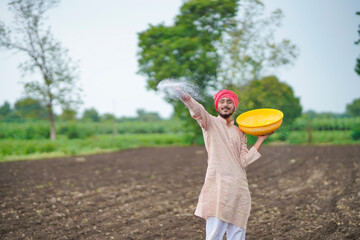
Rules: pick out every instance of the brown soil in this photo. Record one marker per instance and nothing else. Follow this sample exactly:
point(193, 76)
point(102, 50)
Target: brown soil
point(298, 192)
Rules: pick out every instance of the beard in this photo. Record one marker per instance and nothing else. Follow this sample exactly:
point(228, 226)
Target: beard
point(227, 114)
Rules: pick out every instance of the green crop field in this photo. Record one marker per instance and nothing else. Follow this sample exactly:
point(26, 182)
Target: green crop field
point(71, 130)
point(30, 140)
point(43, 148)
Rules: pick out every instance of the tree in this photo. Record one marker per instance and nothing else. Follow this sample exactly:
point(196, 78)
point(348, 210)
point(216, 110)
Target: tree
point(248, 48)
point(108, 117)
point(30, 108)
point(147, 116)
point(187, 49)
point(357, 67)
point(46, 56)
point(213, 44)
point(68, 114)
point(269, 92)
point(5, 110)
point(91, 114)
point(7, 113)
point(354, 108)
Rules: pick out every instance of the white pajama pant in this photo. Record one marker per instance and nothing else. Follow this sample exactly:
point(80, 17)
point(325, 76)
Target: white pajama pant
point(216, 229)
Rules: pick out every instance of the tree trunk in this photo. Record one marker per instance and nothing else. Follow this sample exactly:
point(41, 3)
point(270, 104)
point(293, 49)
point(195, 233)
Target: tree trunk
point(52, 123)
point(309, 131)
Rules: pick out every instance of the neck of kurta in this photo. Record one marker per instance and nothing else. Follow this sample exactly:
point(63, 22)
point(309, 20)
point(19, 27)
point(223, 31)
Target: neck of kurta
point(228, 121)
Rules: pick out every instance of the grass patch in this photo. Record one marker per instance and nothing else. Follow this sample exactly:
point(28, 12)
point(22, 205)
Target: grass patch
point(336, 137)
point(36, 149)
point(321, 137)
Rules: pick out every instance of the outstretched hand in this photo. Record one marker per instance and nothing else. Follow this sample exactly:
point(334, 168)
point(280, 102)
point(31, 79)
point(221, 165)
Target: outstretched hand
point(175, 90)
point(260, 141)
point(183, 95)
point(264, 137)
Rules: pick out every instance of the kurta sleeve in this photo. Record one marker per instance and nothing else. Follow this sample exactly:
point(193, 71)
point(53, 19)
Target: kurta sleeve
point(198, 112)
point(247, 156)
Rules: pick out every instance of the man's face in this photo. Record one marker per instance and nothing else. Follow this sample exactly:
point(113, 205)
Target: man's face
point(226, 107)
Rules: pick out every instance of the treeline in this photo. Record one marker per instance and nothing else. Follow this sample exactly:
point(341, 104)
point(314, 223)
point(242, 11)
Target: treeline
point(325, 121)
point(82, 130)
point(29, 108)
point(27, 121)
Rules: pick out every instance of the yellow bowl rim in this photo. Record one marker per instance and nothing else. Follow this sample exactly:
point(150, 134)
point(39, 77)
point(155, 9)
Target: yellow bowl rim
point(254, 110)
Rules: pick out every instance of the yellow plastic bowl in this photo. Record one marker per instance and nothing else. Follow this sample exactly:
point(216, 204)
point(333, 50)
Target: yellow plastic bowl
point(260, 122)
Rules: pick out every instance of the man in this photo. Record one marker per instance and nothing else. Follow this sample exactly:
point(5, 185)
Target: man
point(224, 200)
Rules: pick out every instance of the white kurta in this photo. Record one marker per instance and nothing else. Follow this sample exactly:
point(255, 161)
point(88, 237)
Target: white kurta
point(225, 193)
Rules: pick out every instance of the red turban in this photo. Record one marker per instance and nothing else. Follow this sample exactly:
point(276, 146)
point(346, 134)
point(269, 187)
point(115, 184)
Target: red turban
point(227, 94)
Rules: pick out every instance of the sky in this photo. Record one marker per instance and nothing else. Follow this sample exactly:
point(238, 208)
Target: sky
point(103, 36)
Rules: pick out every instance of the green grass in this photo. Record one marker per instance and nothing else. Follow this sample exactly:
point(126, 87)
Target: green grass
point(321, 137)
point(36, 149)
point(337, 137)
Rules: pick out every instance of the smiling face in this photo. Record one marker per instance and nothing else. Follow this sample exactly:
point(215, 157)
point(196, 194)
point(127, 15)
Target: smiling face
point(226, 107)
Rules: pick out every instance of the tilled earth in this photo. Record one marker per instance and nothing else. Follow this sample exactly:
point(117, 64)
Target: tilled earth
point(298, 192)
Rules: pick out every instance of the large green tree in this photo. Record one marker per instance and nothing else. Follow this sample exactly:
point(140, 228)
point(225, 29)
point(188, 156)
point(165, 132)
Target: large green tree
point(187, 49)
point(269, 92)
point(46, 57)
point(213, 44)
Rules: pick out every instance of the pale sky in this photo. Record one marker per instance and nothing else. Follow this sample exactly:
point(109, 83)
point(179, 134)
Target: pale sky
point(102, 36)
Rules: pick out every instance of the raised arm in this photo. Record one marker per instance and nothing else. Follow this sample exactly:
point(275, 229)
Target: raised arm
point(197, 111)
point(183, 95)
point(249, 156)
point(260, 141)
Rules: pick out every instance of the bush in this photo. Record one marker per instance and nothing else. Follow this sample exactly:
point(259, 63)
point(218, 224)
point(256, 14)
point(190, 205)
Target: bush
point(48, 147)
point(355, 134)
point(77, 130)
point(326, 123)
point(25, 130)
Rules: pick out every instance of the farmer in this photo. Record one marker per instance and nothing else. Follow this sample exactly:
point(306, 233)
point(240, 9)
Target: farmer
point(224, 200)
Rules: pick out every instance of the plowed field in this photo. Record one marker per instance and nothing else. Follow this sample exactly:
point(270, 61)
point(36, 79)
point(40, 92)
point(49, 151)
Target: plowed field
point(298, 192)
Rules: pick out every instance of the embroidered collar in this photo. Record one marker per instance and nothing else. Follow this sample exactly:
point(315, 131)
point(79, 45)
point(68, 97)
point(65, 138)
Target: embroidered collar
point(224, 121)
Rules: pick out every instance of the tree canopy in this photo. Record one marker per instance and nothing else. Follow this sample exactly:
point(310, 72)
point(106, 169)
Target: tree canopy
point(354, 108)
point(91, 114)
point(269, 92)
point(142, 115)
point(30, 108)
point(5, 109)
point(68, 114)
point(187, 48)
